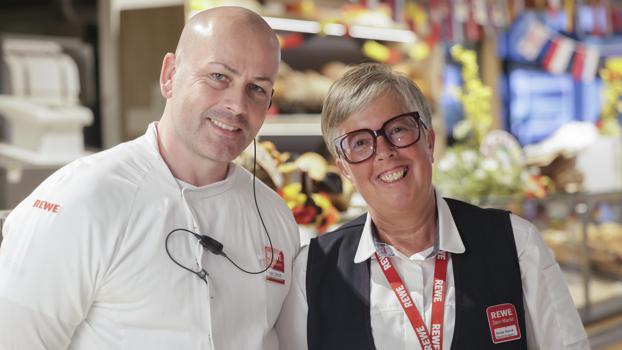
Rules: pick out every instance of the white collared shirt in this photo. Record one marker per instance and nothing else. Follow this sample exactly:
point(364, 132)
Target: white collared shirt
point(94, 272)
point(552, 321)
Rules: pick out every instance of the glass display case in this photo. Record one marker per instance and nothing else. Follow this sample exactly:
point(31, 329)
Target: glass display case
point(584, 232)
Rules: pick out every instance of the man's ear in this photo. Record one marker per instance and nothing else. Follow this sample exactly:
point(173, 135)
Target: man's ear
point(166, 75)
point(271, 95)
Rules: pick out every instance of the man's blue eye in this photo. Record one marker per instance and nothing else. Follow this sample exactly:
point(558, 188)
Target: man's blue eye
point(257, 88)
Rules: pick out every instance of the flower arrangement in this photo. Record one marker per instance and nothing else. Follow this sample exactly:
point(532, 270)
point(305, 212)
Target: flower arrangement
point(310, 209)
point(468, 174)
point(484, 164)
point(312, 189)
point(476, 99)
point(612, 95)
point(311, 198)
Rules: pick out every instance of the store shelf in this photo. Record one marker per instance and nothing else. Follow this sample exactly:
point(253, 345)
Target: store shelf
point(292, 125)
point(18, 157)
point(337, 29)
point(16, 160)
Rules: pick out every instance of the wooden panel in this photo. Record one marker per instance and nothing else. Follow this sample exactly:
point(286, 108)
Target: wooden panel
point(145, 36)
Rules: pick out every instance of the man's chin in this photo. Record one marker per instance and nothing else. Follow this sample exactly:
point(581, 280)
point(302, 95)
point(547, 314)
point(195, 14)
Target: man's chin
point(222, 155)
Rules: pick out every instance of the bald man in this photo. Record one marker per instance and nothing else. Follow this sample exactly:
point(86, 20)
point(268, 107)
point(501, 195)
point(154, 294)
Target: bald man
point(161, 242)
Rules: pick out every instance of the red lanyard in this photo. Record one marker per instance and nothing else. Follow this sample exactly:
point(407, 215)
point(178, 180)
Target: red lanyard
point(435, 340)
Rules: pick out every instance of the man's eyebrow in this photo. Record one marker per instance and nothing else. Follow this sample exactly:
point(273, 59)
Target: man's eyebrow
point(234, 71)
point(266, 79)
point(227, 67)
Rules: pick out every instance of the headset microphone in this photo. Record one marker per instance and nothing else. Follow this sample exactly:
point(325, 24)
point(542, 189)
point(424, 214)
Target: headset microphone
point(215, 247)
point(210, 244)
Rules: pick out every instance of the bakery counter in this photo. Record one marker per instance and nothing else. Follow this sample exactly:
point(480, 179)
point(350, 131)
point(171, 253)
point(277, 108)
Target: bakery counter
point(584, 232)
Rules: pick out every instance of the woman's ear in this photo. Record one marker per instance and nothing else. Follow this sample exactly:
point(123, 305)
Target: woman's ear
point(431, 137)
point(344, 169)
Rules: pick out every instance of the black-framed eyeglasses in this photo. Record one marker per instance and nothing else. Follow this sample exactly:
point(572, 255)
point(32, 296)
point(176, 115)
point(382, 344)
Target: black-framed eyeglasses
point(400, 131)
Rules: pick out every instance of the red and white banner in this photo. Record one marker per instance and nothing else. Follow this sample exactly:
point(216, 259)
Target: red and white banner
point(558, 55)
point(585, 63)
point(562, 54)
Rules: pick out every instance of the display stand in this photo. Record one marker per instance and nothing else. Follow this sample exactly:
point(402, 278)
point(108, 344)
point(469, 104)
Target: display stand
point(588, 264)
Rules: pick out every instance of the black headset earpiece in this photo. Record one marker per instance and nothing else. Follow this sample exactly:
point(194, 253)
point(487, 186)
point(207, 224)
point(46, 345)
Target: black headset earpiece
point(271, 95)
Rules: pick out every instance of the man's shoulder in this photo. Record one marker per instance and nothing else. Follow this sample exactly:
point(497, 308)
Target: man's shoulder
point(97, 180)
point(127, 162)
point(277, 215)
point(93, 196)
point(265, 195)
point(349, 232)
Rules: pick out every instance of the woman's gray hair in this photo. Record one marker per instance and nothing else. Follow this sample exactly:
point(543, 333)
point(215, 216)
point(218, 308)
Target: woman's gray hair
point(360, 86)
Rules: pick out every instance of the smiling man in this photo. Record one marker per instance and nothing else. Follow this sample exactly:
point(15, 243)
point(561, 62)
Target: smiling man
point(158, 243)
point(418, 271)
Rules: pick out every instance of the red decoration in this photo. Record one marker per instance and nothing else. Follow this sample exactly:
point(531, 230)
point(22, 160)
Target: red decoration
point(291, 41)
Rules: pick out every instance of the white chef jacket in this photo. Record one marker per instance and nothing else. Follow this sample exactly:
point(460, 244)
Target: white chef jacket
point(88, 268)
point(552, 321)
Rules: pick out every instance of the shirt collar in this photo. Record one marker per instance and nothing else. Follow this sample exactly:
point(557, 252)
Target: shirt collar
point(150, 140)
point(448, 237)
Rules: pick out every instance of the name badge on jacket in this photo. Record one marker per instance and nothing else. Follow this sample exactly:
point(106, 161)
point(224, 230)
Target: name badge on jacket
point(503, 323)
point(276, 272)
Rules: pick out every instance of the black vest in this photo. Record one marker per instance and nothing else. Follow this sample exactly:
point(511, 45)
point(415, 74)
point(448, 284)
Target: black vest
point(486, 274)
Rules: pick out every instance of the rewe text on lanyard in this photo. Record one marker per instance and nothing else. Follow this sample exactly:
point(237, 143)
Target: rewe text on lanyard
point(429, 340)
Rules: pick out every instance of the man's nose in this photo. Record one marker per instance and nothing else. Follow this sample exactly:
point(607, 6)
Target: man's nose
point(235, 100)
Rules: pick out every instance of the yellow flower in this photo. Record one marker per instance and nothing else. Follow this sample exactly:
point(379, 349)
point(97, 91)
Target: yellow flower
point(292, 196)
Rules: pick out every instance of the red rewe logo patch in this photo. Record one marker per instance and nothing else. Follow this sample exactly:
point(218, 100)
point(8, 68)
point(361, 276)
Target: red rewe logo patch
point(47, 206)
point(276, 272)
point(503, 323)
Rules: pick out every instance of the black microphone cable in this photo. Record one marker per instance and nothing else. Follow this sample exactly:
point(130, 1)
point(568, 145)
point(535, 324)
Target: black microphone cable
point(202, 274)
point(215, 247)
point(263, 224)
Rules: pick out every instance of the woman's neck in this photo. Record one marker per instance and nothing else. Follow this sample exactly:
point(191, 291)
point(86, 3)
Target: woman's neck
point(409, 234)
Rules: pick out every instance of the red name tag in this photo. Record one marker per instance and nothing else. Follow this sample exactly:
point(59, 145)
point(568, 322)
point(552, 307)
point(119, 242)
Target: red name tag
point(503, 323)
point(276, 272)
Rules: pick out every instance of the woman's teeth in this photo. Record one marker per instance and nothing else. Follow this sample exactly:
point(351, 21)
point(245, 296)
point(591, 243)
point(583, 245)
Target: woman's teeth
point(393, 176)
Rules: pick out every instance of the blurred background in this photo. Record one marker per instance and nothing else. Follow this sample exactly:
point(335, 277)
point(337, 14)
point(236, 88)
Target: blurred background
point(526, 99)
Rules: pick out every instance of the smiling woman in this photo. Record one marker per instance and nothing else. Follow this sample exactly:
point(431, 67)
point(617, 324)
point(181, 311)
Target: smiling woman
point(384, 173)
point(390, 269)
